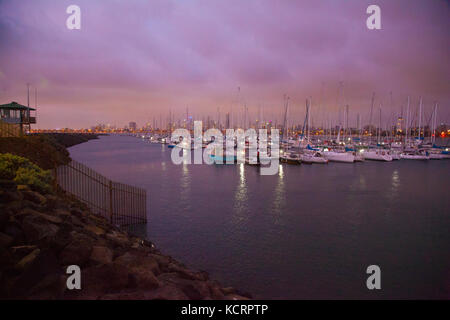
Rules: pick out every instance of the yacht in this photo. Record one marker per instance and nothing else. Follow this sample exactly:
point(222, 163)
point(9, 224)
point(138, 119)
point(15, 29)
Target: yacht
point(313, 157)
point(377, 155)
point(290, 158)
point(415, 155)
point(339, 156)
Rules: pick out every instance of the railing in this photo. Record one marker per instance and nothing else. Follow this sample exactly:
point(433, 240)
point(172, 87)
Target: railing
point(122, 204)
point(9, 130)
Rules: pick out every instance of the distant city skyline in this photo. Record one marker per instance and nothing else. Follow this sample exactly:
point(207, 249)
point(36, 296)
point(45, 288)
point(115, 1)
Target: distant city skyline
point(135, 61)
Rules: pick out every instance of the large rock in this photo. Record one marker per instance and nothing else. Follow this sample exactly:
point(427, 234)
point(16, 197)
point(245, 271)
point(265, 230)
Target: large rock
point(143, 279)
point(51, 287)
point(54, 202)
point(118, 239)
point(101, 255)
point(35, 197)
point(5, 213)
point(135, 260)
point(196, 290)
point(95, 230)
point(28, 259)
point(77, 251)
point(37, 228)
point(45, 263)
point(14, 230)
point(21, 251)
point(5, 240)
point(163, 261)
point(99, 280)
point(9, 196)
point(167, 292)
point(186, 273)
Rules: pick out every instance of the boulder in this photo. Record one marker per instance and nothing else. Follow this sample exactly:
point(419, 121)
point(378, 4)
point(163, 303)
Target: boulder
point(23, 187)
point(5, 240)
point(228, 290)
point(94, 229)
point(77, 212)
point(37, 228)
point(77, 251)
point(194, 289)
point(51, 287)
point(13, 229)
point(51, 219)
point(134, 260)
point(216, 292)
point(143, 279)
point(168, 292)
point(62, 213)
point(54, 202)
point(45, 263)
point(5, 213)
point(21, 251)
point(28, 259)
point(102, 279)
point(101, 255)
point(9, 196)
point(117, 238)
point(35, 197)
point(186, 273)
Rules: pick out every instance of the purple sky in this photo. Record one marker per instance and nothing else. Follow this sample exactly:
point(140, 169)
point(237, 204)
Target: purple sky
point(134, 60)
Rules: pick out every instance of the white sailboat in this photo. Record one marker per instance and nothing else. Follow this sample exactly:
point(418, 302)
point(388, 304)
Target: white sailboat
point(313, 157)
point(336, 156)
point(415, 155)
point(377, 155)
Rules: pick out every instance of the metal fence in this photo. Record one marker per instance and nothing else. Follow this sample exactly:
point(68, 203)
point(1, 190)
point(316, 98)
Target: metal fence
point(122, 204)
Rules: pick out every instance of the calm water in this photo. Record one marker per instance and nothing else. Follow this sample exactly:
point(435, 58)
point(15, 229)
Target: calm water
point(308, 232)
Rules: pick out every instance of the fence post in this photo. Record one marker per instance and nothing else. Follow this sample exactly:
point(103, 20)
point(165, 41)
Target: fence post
point(110, 202)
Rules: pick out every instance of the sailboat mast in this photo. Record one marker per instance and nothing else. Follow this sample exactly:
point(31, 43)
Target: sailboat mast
point(371, 115)
point(407, 122)
point(420, 118)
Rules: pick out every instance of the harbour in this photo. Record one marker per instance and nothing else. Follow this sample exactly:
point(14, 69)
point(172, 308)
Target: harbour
point(316, 225)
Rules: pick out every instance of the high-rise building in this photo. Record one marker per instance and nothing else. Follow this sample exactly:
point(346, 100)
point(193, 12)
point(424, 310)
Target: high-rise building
point(132, 126)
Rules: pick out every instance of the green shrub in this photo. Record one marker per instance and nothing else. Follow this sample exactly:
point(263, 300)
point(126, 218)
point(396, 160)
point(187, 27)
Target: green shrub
point(23, 171)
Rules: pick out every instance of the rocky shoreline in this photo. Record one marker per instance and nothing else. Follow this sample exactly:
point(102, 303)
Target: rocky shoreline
point(42, 234)
point(43, 231)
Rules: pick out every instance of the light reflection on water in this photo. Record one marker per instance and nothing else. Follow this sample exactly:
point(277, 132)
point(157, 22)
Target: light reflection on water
point(240, 213)
point(307, 232)
point(279, 201)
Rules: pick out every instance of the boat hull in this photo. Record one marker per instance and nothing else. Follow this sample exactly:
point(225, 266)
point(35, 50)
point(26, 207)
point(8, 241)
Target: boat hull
point(437, 156)
point(290, 160)
point(377, 156)
point(339, 157)
point(414, 157)
point(311, 160)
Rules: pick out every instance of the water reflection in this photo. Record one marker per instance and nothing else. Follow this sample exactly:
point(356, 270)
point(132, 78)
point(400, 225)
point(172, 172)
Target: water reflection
point(279, 202)
point(185, 184)
point(395, 184)
point(281, 172)
point(241, 197)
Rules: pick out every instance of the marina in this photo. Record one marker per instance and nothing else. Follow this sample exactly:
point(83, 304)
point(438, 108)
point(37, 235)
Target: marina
point(314, 224)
